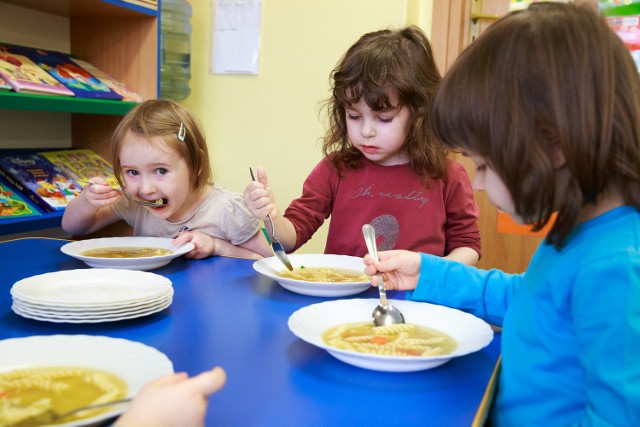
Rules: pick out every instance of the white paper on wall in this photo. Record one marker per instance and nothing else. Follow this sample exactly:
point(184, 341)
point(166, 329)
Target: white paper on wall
point(235, 34)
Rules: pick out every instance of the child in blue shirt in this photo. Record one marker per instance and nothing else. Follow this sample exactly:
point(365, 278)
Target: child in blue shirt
point(547, 104)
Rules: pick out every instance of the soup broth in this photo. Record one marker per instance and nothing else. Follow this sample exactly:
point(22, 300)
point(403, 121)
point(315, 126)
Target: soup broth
point(405, 339)
point(325, 274)
point(126, 252)
point(26, 395)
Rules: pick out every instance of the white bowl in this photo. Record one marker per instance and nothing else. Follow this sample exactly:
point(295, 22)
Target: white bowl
point(75, 249)
point(471, 333)
point(270, 267)
point(134, 362)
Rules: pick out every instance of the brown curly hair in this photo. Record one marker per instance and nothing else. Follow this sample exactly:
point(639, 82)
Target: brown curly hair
point(381, 63)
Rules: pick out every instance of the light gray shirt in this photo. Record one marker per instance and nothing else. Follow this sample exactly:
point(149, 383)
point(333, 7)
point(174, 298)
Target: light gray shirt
point(223, 214)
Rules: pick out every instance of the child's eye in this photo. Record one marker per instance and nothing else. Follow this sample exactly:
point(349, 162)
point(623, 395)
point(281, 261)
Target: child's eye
point(131, 172)
point(161, 171)
point(385, 119)
point(353, 116)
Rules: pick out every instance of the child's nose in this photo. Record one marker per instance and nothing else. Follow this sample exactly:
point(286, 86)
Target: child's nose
point(368, 130)
point(148, 186)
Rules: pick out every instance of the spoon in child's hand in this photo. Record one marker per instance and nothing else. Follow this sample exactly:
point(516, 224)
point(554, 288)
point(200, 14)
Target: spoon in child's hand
point(153, 203)
point(384, 313)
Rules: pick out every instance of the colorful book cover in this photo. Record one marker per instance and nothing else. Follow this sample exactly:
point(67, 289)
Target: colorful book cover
point(36, 177)
point(4, 86)
point(116, 86)
point(81, 165)
point(78, 80)
point(23, 75)
point(12, 205)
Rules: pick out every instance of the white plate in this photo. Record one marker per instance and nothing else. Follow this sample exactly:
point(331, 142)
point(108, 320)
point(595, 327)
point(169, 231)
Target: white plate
point(470, 332)
point(132, 361)
point(107, 317)
point(75, 249)
point(91, 287)
point(126, 306)
point(271, 266)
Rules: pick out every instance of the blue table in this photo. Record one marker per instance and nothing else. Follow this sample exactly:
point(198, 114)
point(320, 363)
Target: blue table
point(224, 313)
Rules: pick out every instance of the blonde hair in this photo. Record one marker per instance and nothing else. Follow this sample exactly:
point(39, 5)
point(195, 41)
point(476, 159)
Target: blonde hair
point(163, 118)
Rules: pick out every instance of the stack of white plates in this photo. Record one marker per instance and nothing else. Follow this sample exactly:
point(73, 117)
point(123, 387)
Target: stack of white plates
point(91, 295)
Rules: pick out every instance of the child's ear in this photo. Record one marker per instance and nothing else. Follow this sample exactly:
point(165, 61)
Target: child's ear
point(557, 155)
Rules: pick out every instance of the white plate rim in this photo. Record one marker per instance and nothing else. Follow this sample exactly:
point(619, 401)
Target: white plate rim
point(149, 285)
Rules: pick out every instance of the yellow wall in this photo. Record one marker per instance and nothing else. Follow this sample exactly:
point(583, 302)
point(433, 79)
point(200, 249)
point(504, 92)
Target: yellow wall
point(273, 119)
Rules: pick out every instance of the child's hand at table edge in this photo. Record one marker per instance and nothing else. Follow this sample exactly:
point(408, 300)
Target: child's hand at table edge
point(173, 400)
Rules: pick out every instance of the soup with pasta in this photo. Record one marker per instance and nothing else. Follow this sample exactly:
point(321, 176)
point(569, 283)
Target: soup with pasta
point(126, 252)
point(405, 339)
point(325, 274)
point(28, 395)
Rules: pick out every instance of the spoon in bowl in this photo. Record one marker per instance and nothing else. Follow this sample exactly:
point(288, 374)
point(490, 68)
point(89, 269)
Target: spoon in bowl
point(384, 314)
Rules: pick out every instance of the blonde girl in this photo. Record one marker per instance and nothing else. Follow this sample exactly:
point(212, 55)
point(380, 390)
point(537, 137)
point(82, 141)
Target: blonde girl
point(160, 154)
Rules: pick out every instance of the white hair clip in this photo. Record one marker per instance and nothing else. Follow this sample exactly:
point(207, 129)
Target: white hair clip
point(182, 132)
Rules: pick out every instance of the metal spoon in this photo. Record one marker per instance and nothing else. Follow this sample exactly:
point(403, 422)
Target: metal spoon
point(277, 247)
point(384, 313)
point(153, 203)
point(51, 416)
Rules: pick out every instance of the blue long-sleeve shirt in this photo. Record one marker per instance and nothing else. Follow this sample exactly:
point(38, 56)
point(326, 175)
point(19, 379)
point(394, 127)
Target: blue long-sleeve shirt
point(571, 325)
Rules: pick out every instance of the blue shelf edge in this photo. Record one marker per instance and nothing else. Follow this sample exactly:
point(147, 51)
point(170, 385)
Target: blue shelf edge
point(32, 223)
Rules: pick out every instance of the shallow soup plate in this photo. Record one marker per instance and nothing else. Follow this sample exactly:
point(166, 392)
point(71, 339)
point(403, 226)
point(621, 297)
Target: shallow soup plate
point(470, 333)
point(78, 249)
point(272, 268)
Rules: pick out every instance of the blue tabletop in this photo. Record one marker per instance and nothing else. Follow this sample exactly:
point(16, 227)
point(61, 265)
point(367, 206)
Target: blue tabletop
point(224, 313)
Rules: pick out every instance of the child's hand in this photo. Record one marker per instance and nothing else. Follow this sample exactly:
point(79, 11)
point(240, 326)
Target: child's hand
point(99, 193)
point(400, 268)
point(173, 400)
point(204, 245)
point(258, 196)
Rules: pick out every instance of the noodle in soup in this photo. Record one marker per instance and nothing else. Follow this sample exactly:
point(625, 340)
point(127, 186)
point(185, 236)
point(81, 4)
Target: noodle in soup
point(406, 339)
point(26, 395)
point(126, 252)
point(325, 275)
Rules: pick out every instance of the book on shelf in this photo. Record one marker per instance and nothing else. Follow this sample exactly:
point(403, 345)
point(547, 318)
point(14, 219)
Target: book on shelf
point(25, 76)
point(149, 4)
point(116, 86)
point(4, 86)
point(81, 82)
point(13, 205)
point(81, 164)
point(39, 179)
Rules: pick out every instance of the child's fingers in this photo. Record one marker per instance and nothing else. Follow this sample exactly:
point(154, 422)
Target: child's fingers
point(210, 381)
point(262, 176)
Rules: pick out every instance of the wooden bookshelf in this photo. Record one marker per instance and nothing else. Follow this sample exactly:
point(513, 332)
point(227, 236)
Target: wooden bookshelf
point(119, 37)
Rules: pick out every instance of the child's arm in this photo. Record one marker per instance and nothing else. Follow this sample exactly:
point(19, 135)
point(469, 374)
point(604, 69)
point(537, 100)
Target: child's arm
point(90, 211)
point(261, 203)
point(464, 255)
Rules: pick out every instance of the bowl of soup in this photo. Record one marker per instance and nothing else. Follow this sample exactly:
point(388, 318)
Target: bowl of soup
point(322, 275)
point(431, 336)
point(59, 373)
point(131, 253)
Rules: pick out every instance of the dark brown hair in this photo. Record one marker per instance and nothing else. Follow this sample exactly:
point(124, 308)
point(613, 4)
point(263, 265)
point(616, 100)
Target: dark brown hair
point(381, 63)
point(162, 118)
point(548, 78)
